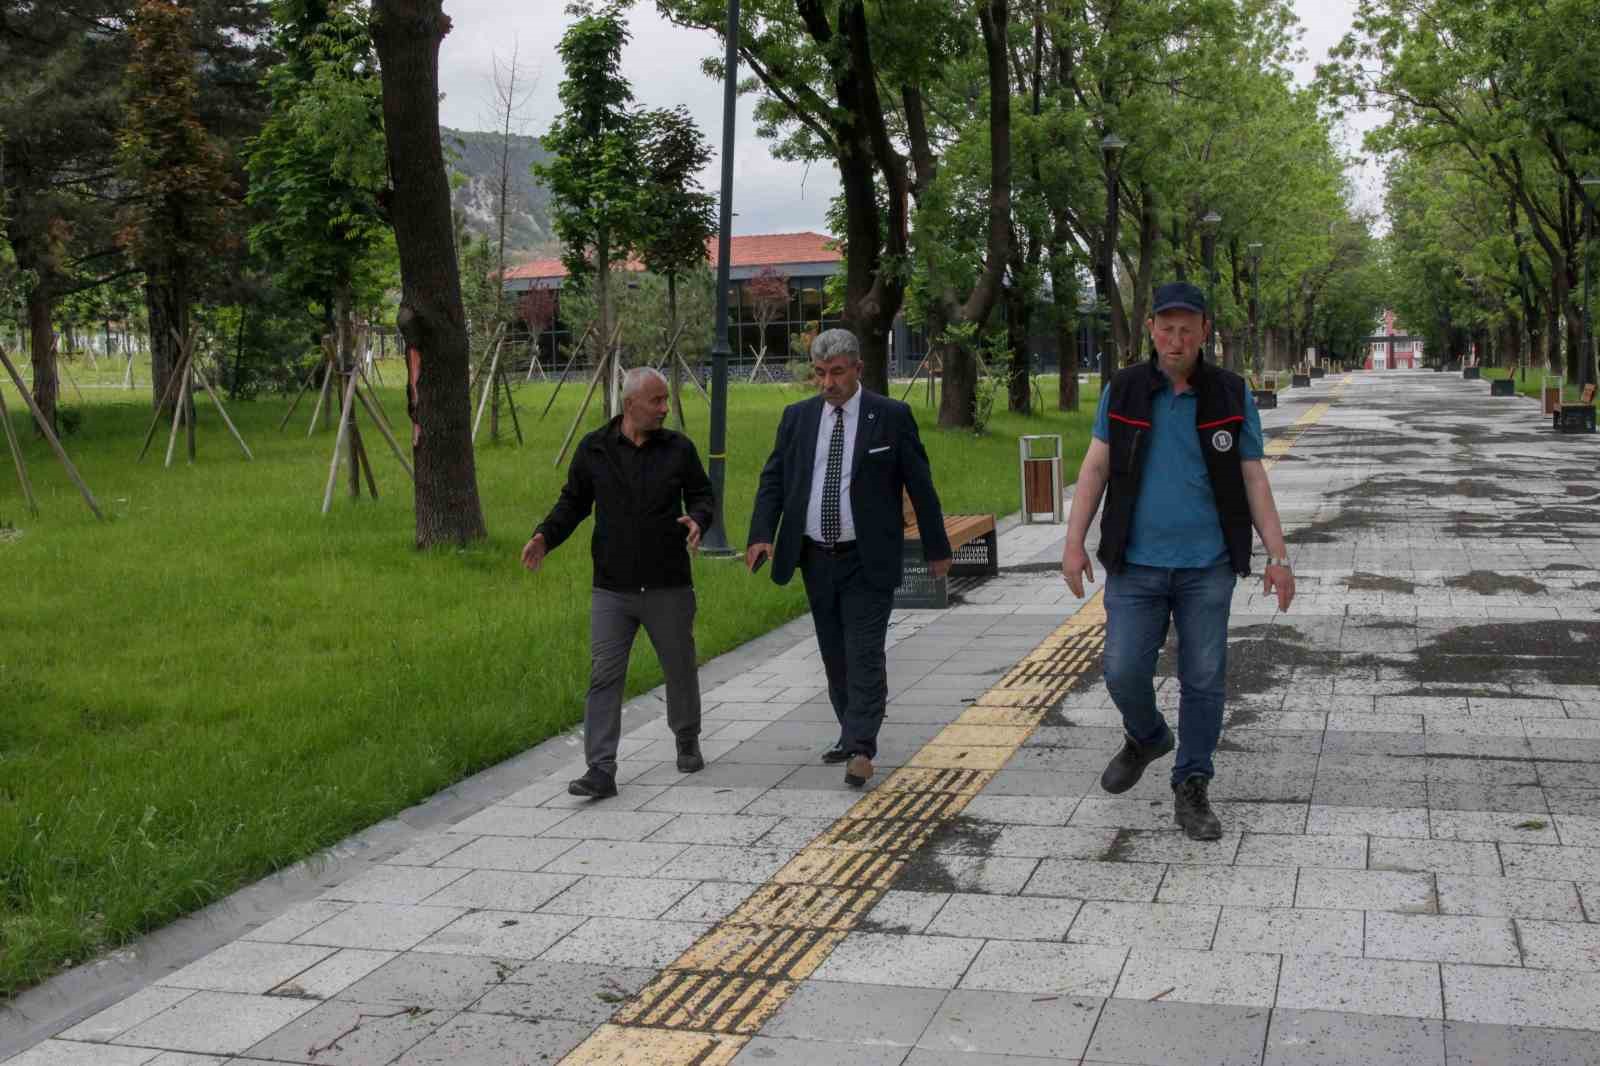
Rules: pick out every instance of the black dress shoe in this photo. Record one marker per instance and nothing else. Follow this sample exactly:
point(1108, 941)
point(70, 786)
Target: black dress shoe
point(1191, 809)
point(835, 755)
point(1127, 765)
point(596, 784)
point(689, 758)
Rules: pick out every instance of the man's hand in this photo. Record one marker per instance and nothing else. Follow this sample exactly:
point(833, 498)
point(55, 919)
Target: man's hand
point(1280, 580)
point(940, 567)
point(533, 552)
point(755, 553)
point(693, 527)
point(1076, 568)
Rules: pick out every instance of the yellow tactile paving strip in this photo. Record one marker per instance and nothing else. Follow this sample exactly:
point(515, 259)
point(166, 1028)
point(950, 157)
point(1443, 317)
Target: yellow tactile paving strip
point(704, 1007)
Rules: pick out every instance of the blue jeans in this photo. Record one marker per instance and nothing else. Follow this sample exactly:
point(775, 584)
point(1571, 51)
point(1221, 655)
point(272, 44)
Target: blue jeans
point(1140, 601)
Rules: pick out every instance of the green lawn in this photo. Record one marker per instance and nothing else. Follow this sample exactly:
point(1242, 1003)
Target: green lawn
point(1532, 383)
point(218, 681)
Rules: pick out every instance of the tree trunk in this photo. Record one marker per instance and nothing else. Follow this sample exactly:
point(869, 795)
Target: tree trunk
point(1019, 320)
point(1064, 295)
point(602, 292)
point(45, 385)
point(431, 319)
point(675, 367)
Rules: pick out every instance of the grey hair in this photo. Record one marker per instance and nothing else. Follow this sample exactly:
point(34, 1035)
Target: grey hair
point(832, 342)
point(635, 379)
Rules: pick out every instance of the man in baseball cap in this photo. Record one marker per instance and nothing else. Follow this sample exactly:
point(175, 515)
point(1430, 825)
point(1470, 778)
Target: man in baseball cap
point(1177, 455)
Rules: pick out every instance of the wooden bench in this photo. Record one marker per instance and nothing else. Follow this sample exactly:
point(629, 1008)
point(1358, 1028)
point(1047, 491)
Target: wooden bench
point(1575, 417)
point(974, 550)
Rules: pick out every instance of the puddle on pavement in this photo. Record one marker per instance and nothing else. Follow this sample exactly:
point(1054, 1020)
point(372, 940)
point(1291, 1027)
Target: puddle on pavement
point(1361, 582)
point(1489, 583)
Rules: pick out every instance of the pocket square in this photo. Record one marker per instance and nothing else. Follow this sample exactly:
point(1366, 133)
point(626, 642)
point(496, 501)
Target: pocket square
point(875, 451)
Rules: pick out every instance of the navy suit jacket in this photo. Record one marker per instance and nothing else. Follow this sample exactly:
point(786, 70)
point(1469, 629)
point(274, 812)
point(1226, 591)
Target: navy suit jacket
point(888, 457)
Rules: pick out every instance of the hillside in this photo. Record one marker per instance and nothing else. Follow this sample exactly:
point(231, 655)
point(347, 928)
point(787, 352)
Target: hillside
point(476, 155)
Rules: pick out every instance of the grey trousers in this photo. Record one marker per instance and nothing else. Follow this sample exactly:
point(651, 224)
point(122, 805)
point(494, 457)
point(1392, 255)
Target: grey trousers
point(614, 620)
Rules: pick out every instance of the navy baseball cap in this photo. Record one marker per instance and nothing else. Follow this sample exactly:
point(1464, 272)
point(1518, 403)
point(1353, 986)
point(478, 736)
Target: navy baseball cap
point(1179, 296)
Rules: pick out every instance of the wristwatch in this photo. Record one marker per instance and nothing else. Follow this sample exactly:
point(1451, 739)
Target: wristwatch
point(1273, 560)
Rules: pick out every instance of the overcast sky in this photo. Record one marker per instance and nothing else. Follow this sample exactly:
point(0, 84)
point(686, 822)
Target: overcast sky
point(663, 63)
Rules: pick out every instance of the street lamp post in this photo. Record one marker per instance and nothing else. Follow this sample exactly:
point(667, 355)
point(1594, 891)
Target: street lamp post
point(1255, 310)
point(1209, 226)
point(715, 541)
point(1111, 147)
point(1589, 183)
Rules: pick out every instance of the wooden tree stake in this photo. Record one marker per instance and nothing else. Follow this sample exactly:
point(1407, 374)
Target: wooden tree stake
point(50, 434)
point(16, 455)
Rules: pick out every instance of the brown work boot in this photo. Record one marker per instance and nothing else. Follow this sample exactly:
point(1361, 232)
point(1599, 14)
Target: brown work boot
point(857, 770)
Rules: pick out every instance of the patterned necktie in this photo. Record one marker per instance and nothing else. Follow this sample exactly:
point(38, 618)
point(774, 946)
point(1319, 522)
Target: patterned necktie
point(830, 483)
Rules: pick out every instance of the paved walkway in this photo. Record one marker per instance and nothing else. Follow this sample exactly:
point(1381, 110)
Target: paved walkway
point(1410, 783)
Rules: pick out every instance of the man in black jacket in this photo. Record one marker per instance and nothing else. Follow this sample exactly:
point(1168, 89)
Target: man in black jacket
point(652, 503)
point(834, 480)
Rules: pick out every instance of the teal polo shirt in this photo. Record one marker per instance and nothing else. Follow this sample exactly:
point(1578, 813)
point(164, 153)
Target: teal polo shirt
point(1175, 523)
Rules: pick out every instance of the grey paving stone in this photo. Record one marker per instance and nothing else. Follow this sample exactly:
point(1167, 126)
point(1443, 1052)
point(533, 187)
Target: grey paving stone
point(910, 961)
point(1174, 975)
point(120, 1017)
point(709, 902)
point(381, 926)
point(705, 862)
point(1325, 1038)
point(1009, 1023)
point(1362, 986)
point(394, 884)
point(1441, 938)
point(1478, 1044)
point(1134, 845)
point(1081, 879)
point(1367, 890)
point(1517, 827)
point(247, 966)
point(347, 1033)
point(216, 1023)
point(501, 934)
point(1177, 925)
point(1040, 841)
point(932, 872)
point(505, 890)
point(726, 829)
point(1042, 783)
point(511, 821)
point(573, 991)
point(626, 942)
point(77, 1053)
point(831, 1012)
point(1377, 821)
point(1287, 931)
point(334, 974)
point(1474, 797)
point(1046, 969)
point(1506, 996)
point(1004, 917)
point(1559, 945)
point(719, 775)
point(803, 803)
point(1388, 794)
point(520, 854)
point(1550, 863)
point(794, 833)
point(1021, 810)
point(1436, 856)
point(1324, 850)
point(296, 921)
point(1512, 897)
point(602, 824)
point(899, 911)
point(621, 858)
point(496, 1040)
point(619, 897)
point(685, 799)
point(430, 980)
point(1168, 1034)
point(1237, 885)
point(929, 1057)
point(766, 1051)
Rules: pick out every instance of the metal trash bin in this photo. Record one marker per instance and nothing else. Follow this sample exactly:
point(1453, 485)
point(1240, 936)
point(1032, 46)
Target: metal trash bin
point(1040, 477)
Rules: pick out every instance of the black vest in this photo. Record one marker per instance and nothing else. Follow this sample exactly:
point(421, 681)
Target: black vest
point(1219, 419)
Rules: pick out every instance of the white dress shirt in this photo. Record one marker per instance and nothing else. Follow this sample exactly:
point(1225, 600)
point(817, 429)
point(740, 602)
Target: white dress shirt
point(819, 468)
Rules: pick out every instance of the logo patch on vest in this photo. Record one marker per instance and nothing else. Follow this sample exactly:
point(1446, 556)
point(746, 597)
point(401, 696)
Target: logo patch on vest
point(1222, 440)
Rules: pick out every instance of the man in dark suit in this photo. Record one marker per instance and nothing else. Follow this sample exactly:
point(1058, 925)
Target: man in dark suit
point(834, 482)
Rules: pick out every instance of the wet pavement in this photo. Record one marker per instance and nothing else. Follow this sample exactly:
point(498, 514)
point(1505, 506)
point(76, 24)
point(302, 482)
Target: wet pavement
point(1409, 782)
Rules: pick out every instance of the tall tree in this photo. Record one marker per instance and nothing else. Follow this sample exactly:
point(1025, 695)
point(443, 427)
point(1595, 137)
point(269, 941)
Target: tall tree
point(598, 201)
point(431, 320)
point(512, 86)
point(682, 216)
point(177, 216)
point(317, 168)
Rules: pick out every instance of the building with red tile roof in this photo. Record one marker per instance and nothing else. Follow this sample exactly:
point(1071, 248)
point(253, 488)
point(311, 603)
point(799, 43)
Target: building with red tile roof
point(800, 255)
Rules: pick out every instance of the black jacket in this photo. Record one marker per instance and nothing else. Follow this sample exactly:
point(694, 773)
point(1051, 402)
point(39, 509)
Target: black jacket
point(888, 457)
point(638, 495)
point(1219, 418)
